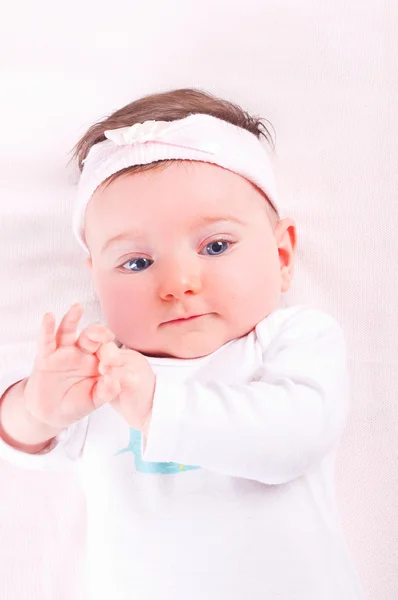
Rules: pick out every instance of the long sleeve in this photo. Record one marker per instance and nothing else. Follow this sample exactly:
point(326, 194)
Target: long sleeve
point(272, 429)
point(64, 450)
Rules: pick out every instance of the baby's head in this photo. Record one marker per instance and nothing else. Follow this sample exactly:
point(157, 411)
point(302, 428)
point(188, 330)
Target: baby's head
point(181, 236)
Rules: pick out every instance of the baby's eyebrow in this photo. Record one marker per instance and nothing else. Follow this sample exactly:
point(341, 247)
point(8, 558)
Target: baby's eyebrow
point(199, 222)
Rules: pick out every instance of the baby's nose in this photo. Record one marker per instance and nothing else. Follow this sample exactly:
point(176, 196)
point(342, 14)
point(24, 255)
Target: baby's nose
point(180, 278)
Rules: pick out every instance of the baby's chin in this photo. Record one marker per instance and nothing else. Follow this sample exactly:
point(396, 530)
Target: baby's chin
point(186, 349)
point(189, 341)
point(182, 355)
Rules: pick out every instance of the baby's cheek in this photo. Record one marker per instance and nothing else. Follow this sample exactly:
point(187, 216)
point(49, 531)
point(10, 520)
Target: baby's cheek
point(253, 290)
point(126, 311)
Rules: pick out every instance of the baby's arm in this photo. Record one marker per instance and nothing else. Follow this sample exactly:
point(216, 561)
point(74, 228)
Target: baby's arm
point(44, 413)
point(18, 427)
point(272, 429)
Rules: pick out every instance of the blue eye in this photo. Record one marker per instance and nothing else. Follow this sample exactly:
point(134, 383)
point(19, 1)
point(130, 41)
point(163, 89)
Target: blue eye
point(216, 247)
point(140, 263)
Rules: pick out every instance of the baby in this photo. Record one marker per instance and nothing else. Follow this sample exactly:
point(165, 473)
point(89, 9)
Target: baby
point(203, 419)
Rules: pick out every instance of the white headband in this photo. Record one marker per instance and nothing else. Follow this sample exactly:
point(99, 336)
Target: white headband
point(197, 137)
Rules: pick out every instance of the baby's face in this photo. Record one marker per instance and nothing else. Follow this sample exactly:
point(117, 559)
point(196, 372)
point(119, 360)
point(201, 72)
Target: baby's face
point(196, 241)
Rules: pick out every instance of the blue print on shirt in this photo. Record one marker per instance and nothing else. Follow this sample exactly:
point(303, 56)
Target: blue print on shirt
point(143, 466)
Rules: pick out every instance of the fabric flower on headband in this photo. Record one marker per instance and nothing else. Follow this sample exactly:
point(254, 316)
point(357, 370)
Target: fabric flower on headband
point(140, 132)
point(181, 133)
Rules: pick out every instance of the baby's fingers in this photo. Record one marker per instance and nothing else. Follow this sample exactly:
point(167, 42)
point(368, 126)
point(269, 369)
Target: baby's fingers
point(110, 355)
point(93, 337)
point(105, 390)
point(46, 344)
point(125, 375)
point(50, 339)
point(66, 333)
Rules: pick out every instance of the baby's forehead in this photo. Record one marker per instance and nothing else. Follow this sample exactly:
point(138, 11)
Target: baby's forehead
point(193, 177)
point(188, 195)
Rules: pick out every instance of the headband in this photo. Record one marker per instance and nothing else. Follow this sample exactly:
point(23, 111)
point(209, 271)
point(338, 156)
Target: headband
point(198, 137)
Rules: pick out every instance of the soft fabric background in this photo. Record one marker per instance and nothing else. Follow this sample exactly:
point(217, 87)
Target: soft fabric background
point(325, 75)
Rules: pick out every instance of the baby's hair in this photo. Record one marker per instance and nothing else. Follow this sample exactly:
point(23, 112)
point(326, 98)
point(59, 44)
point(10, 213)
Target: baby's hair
point(169, 106)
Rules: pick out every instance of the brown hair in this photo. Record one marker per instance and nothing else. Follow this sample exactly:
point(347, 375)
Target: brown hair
point(169, 106)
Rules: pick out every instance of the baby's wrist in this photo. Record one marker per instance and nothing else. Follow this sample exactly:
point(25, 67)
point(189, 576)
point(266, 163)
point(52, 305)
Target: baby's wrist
point(18, 428)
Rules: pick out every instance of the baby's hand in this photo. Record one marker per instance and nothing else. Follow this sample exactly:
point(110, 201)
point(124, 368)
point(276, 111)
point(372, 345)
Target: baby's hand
point(128, 376)
point(65, 380)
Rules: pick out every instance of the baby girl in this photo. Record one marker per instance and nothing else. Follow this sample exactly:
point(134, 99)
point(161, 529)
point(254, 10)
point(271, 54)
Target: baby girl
point(203, 419)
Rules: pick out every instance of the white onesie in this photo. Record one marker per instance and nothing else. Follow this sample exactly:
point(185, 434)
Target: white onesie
point(233, 496)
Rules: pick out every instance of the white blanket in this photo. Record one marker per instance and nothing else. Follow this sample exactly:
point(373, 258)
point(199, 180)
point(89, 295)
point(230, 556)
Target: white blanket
point(325, 75)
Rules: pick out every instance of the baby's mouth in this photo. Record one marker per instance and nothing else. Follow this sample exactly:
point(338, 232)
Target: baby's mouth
point(175, 321)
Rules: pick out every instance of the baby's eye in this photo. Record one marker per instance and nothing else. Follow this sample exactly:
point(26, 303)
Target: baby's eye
point(217, 247)
point(139, 264)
